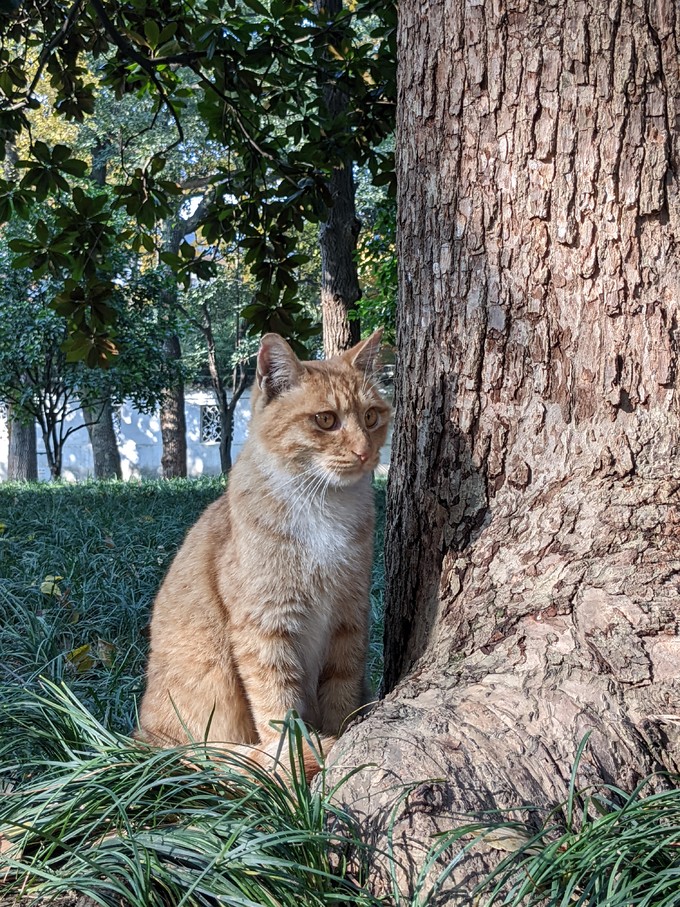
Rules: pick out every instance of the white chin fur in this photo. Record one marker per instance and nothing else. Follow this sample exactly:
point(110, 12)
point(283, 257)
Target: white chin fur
point(351, 477)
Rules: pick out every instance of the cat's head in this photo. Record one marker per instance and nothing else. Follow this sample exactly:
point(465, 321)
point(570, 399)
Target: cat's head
point(324, 418)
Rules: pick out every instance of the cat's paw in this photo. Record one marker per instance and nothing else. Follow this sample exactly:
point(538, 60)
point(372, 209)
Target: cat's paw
point(275, 756)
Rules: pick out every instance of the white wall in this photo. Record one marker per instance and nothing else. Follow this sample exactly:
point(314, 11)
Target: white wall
point(139, 441)
point(139, 438)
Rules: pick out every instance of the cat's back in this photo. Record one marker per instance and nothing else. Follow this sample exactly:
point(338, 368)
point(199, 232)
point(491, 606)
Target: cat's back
point(191, 583)
point(209, 535)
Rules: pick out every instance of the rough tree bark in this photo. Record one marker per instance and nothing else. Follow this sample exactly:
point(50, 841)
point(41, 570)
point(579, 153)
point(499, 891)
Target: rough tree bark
point(99, 421)
point(22, 456)
point(338, 234)
point(533, 551)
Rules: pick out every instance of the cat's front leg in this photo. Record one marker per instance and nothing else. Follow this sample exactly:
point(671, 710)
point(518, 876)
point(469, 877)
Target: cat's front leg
point(342, 684)
point(273, 675)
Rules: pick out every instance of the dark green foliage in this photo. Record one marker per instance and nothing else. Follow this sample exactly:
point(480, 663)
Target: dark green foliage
point(254, 73)
point(377, 261)
point(47, 379)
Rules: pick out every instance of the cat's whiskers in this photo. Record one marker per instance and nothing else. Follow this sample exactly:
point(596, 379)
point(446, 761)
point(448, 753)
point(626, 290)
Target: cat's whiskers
point(324, 493)
point(278, 486)
point(302, 493)
point(309, 492)
point(306, 495)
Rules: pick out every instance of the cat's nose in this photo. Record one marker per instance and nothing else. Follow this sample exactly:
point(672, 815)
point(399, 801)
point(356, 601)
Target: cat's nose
point(361, 455)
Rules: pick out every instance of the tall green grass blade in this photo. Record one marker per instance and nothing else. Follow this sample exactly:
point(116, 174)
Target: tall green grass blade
point(199, 825)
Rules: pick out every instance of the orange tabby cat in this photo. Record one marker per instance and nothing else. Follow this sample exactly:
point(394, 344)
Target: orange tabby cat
point(265, 607)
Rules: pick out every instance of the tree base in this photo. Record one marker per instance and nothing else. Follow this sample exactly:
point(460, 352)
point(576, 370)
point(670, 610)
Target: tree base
point(560, 621)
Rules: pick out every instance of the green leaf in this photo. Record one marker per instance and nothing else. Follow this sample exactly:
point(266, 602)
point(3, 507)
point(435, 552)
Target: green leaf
point(257, 7)
point(41, 232)
point(60, 153)
point(41, 152)
point(152, 32)
point(74, 167)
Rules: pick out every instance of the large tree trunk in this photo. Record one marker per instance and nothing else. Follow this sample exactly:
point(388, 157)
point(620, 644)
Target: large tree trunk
point(99, 421)
point(22, 456)
point(532, 550)
point(339, 233)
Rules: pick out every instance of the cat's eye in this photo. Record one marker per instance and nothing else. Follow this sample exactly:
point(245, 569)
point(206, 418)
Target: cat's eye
point(328, 421)
point(371, 417)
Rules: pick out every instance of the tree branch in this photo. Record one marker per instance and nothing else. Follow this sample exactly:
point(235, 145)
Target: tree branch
point(148, 65)
point(183, 59)
point(48, 50)
point(192, 222)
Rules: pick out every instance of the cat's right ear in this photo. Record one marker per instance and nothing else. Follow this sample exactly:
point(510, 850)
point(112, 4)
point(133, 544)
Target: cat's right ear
point(278, 368)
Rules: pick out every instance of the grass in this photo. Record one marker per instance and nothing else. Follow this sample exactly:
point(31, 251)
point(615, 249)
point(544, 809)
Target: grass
point(86, 808)
point(603, 847)
point(110, 819)
point(79, 566)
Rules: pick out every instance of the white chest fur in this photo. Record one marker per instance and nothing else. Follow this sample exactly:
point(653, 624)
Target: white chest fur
point(326, 521)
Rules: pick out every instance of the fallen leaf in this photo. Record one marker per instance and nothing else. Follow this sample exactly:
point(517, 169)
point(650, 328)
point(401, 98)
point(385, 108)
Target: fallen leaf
point(49, 585)
point(106, 652)
point(81, 658)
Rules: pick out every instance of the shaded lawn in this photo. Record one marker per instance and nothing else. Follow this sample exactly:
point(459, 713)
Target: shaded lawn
point(79, 568)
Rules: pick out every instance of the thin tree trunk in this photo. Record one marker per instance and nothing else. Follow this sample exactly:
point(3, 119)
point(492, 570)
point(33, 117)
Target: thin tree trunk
point(22, 457)
point(53, 454)
point(172, 414)
point(173, 422)
point(225, 403)
point(338, 235)
point(99, 418)
point(532, 547)
point(22, 454)
point(227, 411)
point(173, 419)
point(99, 421)
point(50, 415)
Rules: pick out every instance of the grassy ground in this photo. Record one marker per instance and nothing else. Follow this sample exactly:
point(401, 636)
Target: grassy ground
point(79, 567)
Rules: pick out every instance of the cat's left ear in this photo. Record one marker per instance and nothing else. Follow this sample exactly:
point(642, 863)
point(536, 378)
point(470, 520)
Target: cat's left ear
point(278, 368)
point(364, 355)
